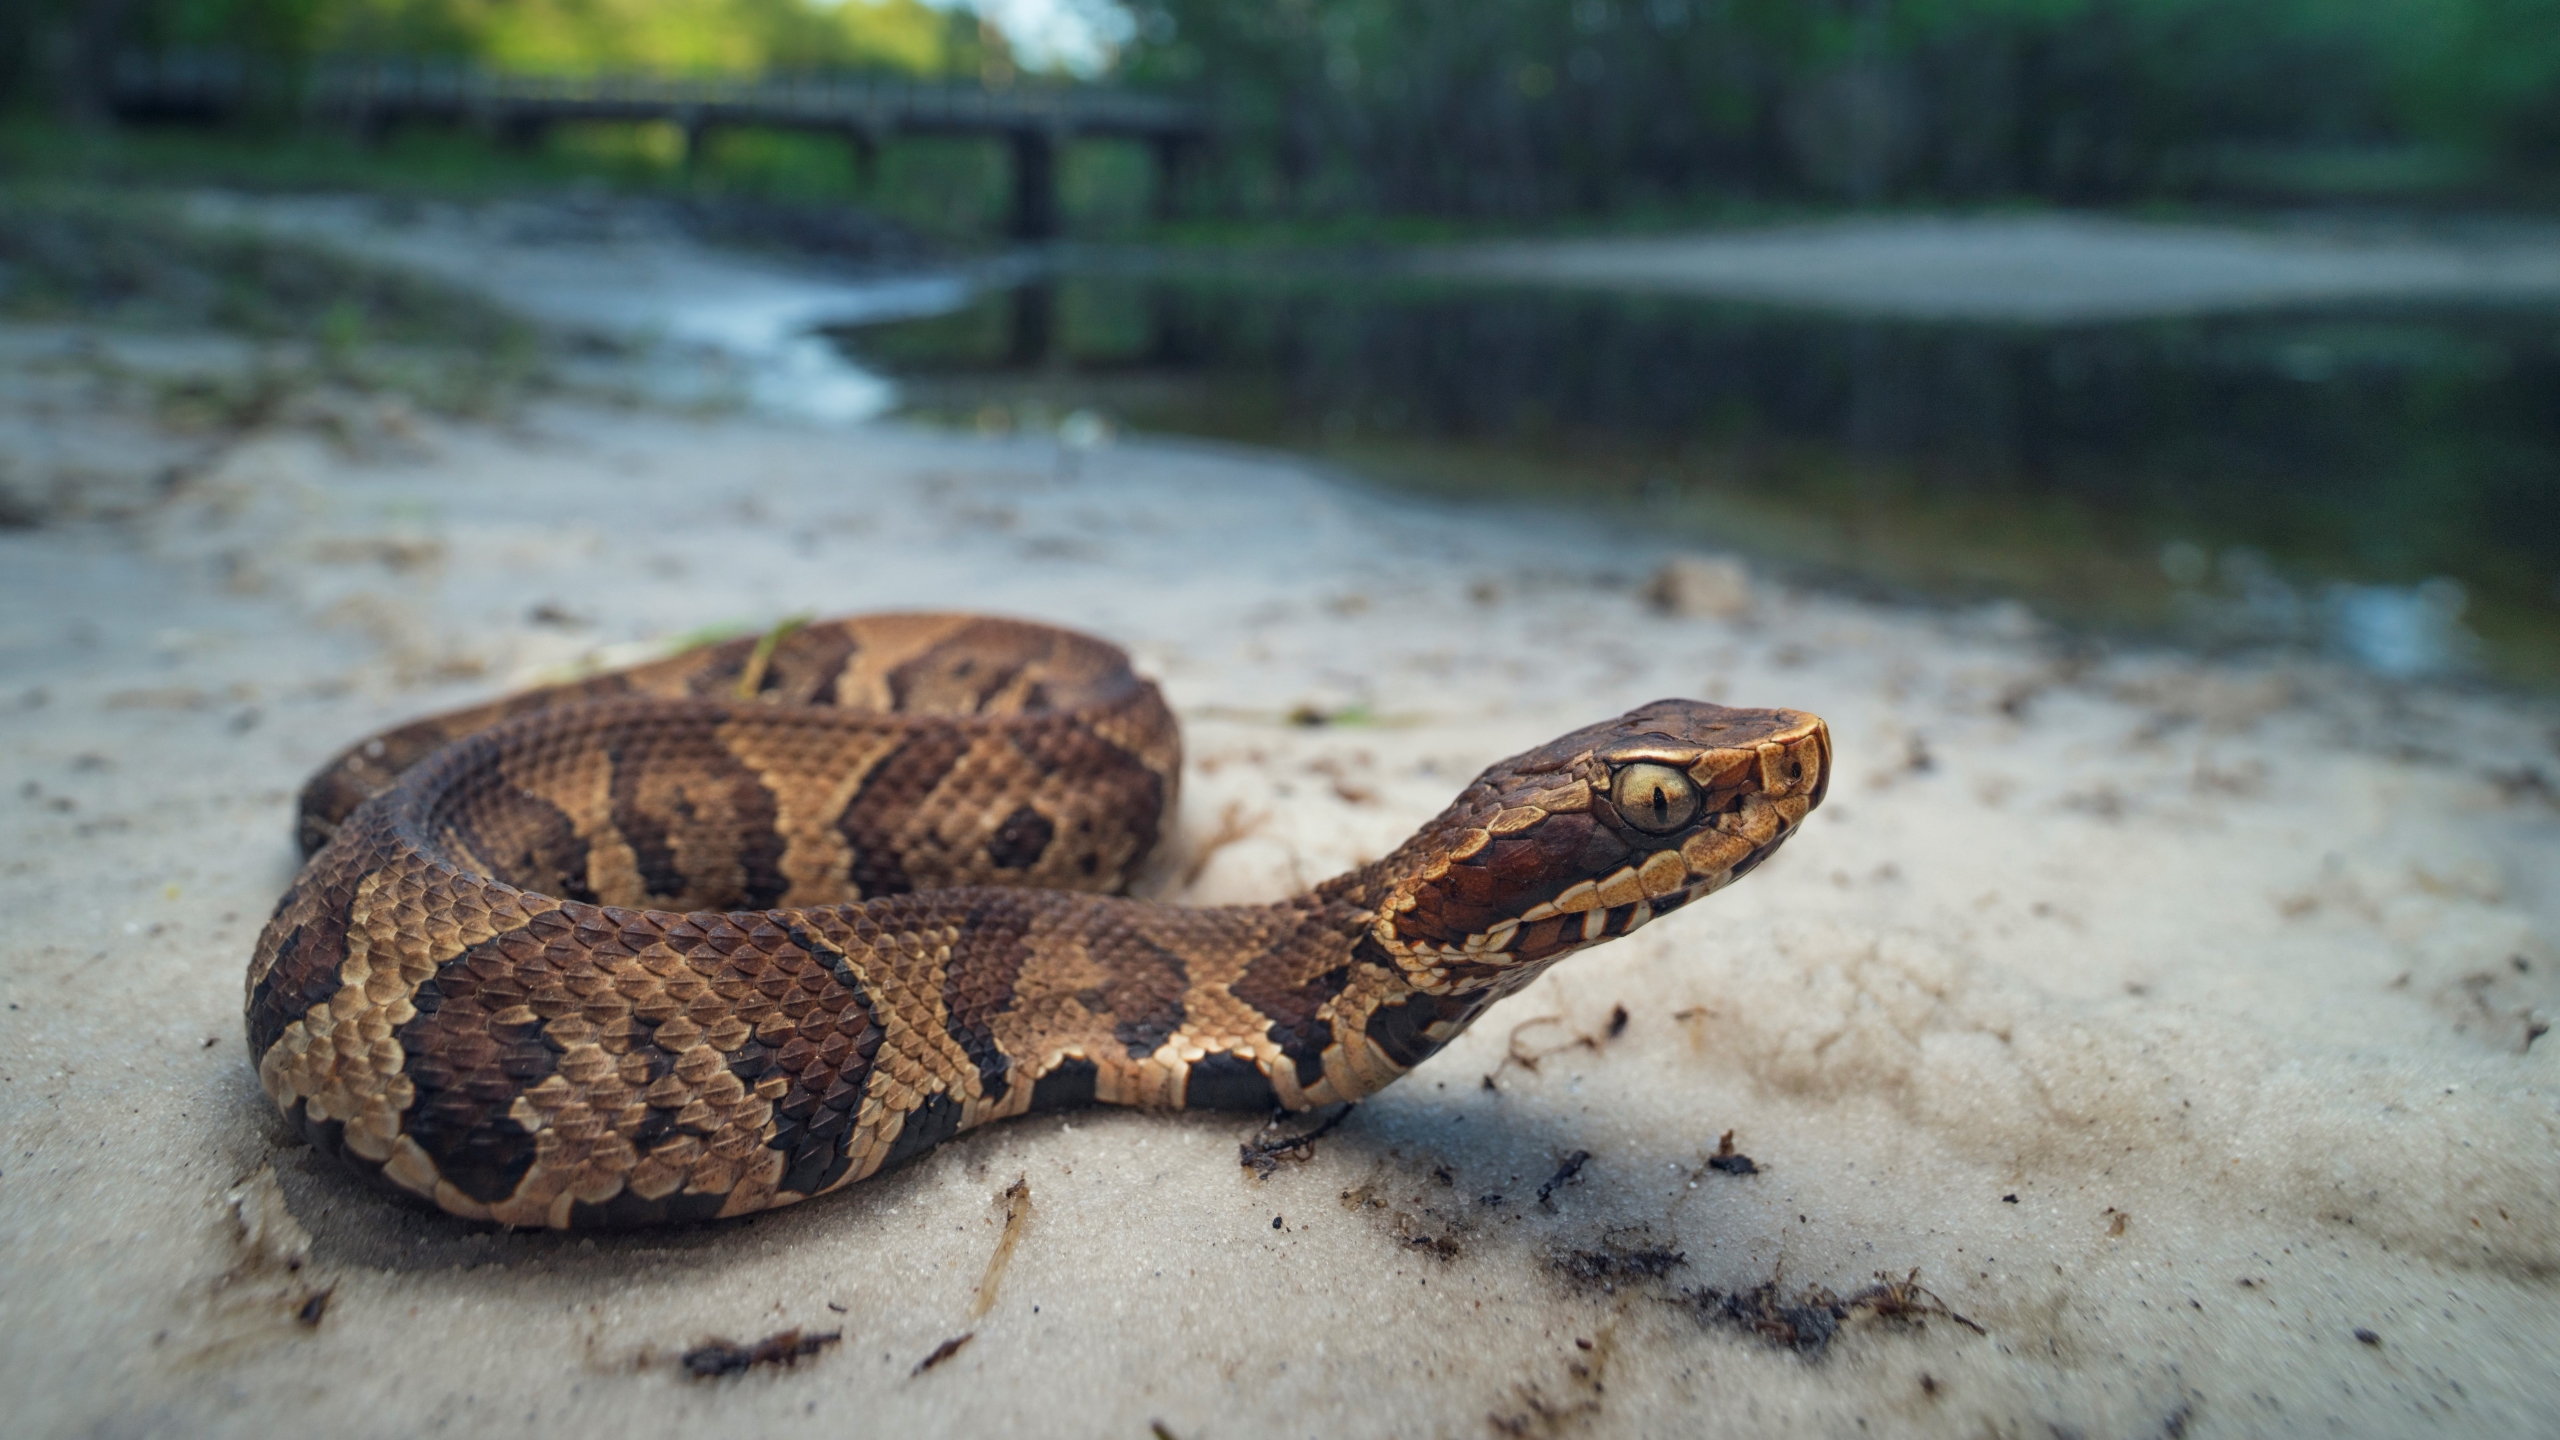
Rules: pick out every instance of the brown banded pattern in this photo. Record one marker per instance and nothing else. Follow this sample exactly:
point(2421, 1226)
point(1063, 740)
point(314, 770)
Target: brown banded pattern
point(729, 930)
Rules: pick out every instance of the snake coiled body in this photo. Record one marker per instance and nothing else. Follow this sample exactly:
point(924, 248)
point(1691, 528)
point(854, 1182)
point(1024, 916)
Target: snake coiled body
point(730, 930)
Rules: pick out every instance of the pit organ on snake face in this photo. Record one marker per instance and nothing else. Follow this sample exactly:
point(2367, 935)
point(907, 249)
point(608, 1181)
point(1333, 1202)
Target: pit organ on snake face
point(745, 926)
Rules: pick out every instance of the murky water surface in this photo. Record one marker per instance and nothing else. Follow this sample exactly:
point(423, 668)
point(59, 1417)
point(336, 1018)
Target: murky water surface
point(2380, 482)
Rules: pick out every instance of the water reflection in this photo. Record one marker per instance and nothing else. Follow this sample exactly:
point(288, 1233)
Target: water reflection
point(2176, 473)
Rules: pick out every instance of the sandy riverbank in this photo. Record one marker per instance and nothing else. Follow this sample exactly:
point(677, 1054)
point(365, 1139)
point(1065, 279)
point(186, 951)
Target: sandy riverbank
point(2172, 1020)
point(2045, 269)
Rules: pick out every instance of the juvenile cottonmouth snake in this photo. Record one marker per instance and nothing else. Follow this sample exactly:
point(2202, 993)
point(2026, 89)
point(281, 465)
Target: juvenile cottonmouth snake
point(729, 930)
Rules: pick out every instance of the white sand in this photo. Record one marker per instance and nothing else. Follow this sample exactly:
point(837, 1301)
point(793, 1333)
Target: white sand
point(2242, 958)
point(2041, 269)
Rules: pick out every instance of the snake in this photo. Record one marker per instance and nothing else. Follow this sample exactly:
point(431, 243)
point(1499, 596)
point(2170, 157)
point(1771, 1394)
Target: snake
point(720, 932)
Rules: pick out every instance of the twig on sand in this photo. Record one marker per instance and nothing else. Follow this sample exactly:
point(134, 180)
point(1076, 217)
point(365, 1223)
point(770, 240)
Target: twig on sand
point(715, 1358)
point(1264, 1152)
point(1017, 1213)
point(1809, 1322)
point(942, 1352)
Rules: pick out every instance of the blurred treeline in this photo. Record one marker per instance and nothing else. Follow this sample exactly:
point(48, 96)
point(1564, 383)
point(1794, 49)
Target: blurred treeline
point(61, 51)
point(1525, 108)
point(1546, 106)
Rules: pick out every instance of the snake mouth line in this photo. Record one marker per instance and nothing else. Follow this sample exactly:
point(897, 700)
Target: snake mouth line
point(1503, 947)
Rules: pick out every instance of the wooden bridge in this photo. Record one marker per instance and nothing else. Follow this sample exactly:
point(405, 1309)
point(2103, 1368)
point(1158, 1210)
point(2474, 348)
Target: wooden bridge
point(1036, 120)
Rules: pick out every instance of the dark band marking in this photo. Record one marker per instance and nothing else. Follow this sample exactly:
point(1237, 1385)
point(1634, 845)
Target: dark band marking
point(717, 668)
point(977, 985)
point(807, 665)
point(1398, 1029)
point(1141, 995)
point(895, 788)
point(305, 971)
point(1279, 985)
point(468, 1069)
point(1117, 782)
point(646, 832)
point(1068, 1087)
point(528, 842)
point(1021, 840)
point(677, 789)
point(1228, 1082)
point(958, 676)
point(761, 843)
point(826, 1057)
point(927, 1125)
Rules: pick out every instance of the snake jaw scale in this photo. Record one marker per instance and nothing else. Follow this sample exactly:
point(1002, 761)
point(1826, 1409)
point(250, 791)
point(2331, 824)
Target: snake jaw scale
point(1622, 888)
point(1662, 873)
point(1573, 799)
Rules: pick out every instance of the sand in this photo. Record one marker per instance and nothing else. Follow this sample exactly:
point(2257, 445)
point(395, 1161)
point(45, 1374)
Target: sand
point(2172, 1020)
point(2045, 269)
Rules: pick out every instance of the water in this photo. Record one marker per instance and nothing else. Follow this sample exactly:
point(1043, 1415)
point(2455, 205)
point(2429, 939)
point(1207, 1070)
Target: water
point(2381, 482)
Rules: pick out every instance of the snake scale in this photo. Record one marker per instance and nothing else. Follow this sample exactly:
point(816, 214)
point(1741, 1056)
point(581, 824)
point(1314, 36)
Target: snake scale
point(728, 930)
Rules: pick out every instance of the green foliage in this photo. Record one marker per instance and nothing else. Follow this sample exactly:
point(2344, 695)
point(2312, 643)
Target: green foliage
point(62, 49)
point(731, 37)
point(1541, 107)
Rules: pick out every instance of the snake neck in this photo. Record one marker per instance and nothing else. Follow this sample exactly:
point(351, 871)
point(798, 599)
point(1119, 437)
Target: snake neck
point(1344, 1017)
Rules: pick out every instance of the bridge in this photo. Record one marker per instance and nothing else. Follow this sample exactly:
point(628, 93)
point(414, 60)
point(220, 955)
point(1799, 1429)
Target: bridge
point(1035, 120)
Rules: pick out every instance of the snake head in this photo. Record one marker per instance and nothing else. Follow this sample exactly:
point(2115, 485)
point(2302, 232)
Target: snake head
point(1596, 833)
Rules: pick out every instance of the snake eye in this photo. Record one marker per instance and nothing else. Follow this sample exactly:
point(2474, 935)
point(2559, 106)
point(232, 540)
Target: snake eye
point(1655, 798)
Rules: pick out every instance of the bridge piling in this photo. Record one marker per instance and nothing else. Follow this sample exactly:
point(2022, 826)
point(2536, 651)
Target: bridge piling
point(519, 130)
point(1035, 185)
point(866, 158)
point(1170, 153)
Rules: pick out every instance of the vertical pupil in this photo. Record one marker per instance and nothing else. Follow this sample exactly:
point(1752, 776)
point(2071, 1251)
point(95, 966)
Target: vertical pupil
point(1661, 804)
